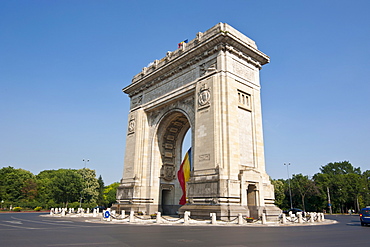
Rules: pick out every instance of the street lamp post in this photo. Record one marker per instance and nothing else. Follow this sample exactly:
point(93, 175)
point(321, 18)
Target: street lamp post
point(329, 202)
point(85, 160)
point(290, 191)
point(83, 179)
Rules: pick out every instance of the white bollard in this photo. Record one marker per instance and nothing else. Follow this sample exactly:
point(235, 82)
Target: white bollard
point(51, 211)
point(264, 218)
point(123, 214)
point(322, 217)
point(88, 210)
point(300, 218)
point(63, 212)
point(213, 217)
point(312, 217)
point(186, 217)
point(132, 216)
point(284, 218)
point(158, 219)
point(94, 212)
point(240, 219)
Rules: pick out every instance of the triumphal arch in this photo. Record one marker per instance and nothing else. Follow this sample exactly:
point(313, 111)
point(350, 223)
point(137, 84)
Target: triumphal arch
point(211, 87)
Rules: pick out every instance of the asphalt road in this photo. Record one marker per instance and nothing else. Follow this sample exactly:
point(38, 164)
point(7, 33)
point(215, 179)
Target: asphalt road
point(29, 229)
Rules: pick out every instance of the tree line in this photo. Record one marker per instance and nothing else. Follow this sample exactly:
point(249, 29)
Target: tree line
point(338, 185)
point(54, 188)
point(346, 187)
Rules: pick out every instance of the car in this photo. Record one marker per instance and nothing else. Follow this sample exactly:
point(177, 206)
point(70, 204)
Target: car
point(365, 216)
point(294, 211)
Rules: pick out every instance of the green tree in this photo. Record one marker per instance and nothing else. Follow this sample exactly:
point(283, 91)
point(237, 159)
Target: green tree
point(67, 186)
point(365, 193)
point(15, 185)
point(100, 200)
point(90, 185)
point(29, 189)
point(279, 187)
point(45, 188)
point(339, 168)
point(59, 187)
point(304, 187)
point(345, 183)
point(355, 185)
point(110, 192)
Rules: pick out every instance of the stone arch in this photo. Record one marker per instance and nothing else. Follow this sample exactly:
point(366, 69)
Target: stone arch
point(172, 128)
point(199, 86)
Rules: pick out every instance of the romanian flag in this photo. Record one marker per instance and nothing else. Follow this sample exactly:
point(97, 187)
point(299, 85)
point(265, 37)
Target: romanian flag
point(181, 43)
point(183, 175)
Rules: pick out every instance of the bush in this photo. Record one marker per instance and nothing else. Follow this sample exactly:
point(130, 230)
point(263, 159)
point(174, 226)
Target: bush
point(38, 208)
point(17, 209)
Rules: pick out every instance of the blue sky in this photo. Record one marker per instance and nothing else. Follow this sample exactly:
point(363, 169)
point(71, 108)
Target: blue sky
point(63, 65)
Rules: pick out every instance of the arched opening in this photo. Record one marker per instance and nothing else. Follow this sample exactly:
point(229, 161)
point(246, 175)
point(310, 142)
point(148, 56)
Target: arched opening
point(174, 140)
point(186, 144)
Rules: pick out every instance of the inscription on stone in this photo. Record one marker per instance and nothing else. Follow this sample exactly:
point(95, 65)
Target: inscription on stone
point(169, 85)
point(242, 70)
point(204, 157)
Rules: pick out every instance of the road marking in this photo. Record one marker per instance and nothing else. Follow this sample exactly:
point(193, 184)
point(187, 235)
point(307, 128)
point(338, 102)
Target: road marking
point(14, 222)
point(89, 244)
point(14, 226)
point(61, 221)
point(43, 222)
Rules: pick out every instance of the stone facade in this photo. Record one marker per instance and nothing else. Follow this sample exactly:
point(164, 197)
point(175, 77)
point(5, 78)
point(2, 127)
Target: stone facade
point(210, 85)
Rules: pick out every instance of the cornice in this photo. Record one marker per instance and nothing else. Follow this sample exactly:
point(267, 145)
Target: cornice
point(221, 37)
